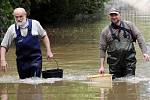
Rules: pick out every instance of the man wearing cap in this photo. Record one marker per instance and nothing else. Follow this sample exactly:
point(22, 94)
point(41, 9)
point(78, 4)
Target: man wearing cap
point(26, 33)
point(117, 40)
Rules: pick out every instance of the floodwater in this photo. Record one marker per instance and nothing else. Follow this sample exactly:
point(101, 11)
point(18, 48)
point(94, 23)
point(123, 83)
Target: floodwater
point(78, 61)
point(79, 58)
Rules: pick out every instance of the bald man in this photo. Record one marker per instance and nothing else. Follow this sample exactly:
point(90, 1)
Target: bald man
point(26, 33)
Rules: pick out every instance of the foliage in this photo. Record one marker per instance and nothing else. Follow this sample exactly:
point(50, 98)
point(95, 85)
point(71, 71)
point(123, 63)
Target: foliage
point(52, 11)
point(57, 11)
point(6, 17)
point(21, 3)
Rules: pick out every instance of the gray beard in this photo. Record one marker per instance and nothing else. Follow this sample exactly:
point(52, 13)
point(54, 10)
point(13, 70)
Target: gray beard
point(21, 24)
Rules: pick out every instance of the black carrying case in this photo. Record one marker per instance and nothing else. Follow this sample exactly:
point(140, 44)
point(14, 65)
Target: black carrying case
point(53, 73)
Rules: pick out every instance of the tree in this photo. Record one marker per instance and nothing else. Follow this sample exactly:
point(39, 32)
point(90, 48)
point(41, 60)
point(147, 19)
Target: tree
point(6, 17)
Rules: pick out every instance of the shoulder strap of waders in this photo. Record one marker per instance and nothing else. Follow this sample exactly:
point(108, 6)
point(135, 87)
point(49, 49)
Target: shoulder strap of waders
point(125, 33)
point(129, 31)
point(17, 29)
point(30, 25)
point(112, 33)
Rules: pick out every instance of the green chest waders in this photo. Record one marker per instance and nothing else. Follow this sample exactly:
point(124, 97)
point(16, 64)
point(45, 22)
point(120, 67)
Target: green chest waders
point(121, 56)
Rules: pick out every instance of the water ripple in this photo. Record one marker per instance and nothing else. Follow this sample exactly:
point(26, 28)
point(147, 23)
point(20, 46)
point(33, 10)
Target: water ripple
point(132, 79)
point(33, 80)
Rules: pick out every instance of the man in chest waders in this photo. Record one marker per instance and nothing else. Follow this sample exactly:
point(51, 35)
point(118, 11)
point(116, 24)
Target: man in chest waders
point(27, 34)
point(117, 40)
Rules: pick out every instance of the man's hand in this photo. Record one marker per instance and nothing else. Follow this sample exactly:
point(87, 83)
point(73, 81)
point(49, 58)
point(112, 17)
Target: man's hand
point(49, 55)
point(4, 66)
point(101, 70)
point(146, 57)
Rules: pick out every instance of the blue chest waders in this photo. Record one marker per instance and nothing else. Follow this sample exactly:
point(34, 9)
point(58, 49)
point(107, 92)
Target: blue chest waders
point(29, 58)
point(121, 55)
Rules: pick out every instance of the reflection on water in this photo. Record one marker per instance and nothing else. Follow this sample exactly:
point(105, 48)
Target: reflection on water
point(124, 91)
point(62, 90)
point(144, 88)
point(3, 92)
point(59, 91)
point(29, 92)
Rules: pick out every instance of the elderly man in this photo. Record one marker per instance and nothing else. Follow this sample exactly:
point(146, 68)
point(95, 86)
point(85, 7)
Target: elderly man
point(117, 39)
point(26, 34)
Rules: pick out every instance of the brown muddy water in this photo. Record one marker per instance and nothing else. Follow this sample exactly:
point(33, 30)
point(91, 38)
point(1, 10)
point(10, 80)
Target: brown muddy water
point(78, 61)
